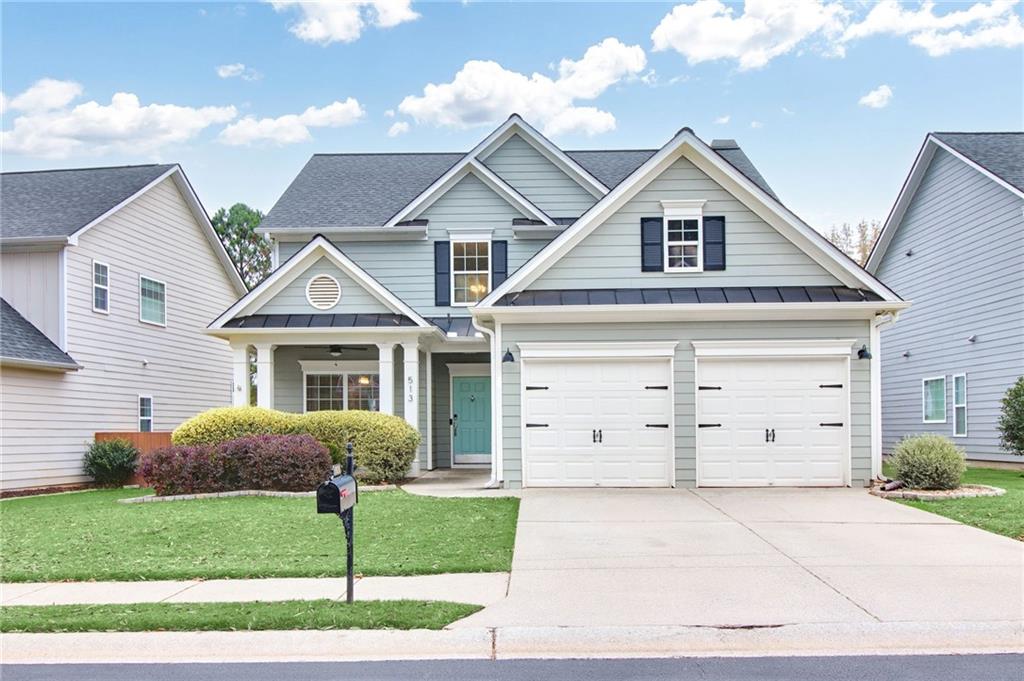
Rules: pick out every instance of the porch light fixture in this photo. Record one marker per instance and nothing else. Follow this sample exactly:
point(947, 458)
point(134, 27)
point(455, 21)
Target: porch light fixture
point(335, 351)
point(507, 357)
point(364, 380)
point(864, 353)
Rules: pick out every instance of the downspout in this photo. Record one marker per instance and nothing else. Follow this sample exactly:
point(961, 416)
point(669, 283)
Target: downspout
point(878, 323)
point(494, 340)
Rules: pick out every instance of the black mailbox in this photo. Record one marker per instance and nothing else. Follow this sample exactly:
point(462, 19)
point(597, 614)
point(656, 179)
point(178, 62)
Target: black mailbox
point(337, 495)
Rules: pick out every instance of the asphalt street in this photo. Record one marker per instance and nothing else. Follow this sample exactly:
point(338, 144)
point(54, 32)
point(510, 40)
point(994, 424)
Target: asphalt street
point(867, 668)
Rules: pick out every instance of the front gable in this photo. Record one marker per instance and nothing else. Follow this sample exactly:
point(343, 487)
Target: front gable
point(354, 298)
point(470, 204)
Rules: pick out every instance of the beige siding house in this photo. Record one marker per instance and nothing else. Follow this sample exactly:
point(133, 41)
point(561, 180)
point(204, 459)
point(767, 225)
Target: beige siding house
point(109, 277)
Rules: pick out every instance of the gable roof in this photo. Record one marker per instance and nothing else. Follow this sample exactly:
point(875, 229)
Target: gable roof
point(373, 190)
point(765, 205)
point(22, 344)
point(58, 203)
point(997, 155)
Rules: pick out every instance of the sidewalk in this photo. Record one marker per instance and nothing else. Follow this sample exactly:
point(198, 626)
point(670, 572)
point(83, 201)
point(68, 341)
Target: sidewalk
point(477, 588)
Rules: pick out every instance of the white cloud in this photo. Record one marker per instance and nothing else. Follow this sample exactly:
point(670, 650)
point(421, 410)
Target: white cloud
point(390, 113)
point(238, 70)
point(484, 92)
point(878, 98)
point(756, 125)
point(49, 127)
point(722, 120)
point(399, 128)
point(324, 23)
point(291, 128)
point(708, 30)
point(789, 112)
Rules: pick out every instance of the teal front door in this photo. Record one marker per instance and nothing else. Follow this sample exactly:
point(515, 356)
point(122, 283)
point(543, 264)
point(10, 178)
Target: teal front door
point(471, 419)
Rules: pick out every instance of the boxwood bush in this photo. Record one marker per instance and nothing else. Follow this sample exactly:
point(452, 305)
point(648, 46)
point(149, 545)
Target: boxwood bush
point(928, 462)
point(385, 445)
point(111, 462)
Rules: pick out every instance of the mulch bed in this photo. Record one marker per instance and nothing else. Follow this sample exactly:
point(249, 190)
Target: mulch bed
point(37, 491)
point(962, 492)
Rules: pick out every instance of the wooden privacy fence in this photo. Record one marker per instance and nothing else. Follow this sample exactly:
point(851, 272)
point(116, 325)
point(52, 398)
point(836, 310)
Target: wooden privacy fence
point(144, 442)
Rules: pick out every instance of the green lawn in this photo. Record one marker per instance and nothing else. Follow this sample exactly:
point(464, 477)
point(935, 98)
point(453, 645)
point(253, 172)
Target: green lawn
point(89, 536)
point(322, 614)
point(1002, 515)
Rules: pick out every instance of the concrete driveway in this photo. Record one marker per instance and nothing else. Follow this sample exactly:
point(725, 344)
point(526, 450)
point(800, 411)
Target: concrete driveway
point(749, 558)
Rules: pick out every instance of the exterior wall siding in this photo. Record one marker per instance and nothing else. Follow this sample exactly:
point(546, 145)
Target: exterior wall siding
point(965, 278)
point(756, 254)
point(31, 283)
point(538, 179)
point(184, 370)
point(684, 368)
point(354, 298)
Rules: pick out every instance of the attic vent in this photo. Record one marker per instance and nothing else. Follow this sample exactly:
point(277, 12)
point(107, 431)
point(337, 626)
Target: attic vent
point(323, 292)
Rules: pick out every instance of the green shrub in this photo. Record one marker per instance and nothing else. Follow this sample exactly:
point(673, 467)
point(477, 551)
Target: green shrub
point(111, 462)
point(230, 423)
point(928, 462)
point(385, 445)
point(1011, 420)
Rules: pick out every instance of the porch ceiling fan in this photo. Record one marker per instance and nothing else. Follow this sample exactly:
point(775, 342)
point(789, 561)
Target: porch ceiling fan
point(337, 350)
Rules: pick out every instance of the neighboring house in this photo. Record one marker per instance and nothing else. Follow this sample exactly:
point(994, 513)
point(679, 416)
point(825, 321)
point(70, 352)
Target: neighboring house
point(108, 278)
point(954, 244)
point(571, 318)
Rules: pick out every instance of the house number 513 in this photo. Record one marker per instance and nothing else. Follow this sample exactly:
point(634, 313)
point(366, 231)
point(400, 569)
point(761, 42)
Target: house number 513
point(412, 388)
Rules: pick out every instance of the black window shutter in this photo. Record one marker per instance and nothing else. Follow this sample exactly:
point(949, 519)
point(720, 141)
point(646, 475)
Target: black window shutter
point(499, 263)
point(651, 245)
point(714, 242)
point(442, 273)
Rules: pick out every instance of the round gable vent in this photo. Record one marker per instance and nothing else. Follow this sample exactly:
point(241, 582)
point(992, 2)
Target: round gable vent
point(323, 292)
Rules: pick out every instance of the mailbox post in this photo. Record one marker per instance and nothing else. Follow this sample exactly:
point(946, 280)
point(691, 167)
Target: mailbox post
point(338, 495)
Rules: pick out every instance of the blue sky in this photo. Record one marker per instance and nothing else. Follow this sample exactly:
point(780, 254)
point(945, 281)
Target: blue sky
point(786, 80)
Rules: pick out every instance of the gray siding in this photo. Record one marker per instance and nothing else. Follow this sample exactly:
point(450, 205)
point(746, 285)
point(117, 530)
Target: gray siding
point(442, 402)
point(31, 283)
point(538, 179)
point(48, 420)
point(685, 406)
point(756, 254)
point(354, 298)
point(965, 277)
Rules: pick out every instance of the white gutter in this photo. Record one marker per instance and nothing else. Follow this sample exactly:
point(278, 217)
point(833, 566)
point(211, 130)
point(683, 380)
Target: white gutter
point(880, 322)
point(495, 340)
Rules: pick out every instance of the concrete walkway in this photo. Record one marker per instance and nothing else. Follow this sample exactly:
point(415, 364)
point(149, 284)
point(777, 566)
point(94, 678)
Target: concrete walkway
point(476, 588)
point(456, 482)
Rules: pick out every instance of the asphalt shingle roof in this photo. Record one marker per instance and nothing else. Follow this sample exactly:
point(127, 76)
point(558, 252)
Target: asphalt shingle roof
point(1001, 153)
point(57, 203)
point(357, 190)
point(21, 340)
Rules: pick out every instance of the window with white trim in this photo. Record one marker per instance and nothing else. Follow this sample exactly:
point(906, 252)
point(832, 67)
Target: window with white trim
point(933, 396)
point(145, 414)
point(684, 235)
point(152, 301)
point(340, 391)
point(100, 287)
point(960, 405)
point(471, 271)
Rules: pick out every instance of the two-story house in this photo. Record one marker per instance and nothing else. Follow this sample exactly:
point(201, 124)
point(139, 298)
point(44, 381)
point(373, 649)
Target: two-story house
point(954, 244)
point(571, 318)
point(109, 277)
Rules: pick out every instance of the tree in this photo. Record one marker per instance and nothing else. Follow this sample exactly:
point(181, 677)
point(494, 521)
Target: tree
point(858, 246)
point(249, 251)
point(1011, 420)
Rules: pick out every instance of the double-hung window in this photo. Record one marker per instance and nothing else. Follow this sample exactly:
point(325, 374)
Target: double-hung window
point(684, 236)
point(145, 414)
point(960, 405)
point(471, 271)
point(100, 287)
point(933, 408)
point(342, 390)
point(152, 301)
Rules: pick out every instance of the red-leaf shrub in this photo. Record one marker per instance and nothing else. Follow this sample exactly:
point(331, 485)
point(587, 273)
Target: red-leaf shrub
point(293, 463)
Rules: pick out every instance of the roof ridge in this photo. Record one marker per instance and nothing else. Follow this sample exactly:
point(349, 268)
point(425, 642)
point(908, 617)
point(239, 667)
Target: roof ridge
point(390, 153)
point(68, 170)
point(977, 132)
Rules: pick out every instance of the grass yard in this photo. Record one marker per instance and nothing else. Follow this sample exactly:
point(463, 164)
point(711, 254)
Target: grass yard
point(283, 615)
point(1001, 515)
point(89, 536)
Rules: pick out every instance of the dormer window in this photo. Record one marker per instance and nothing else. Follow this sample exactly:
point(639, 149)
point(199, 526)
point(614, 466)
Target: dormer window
point(684, 236)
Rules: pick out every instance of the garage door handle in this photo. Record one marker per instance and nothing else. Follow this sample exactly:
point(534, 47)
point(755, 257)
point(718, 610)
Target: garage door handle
point(536, 425)
point(831, 425)
point(709, 425)
point(655, 425)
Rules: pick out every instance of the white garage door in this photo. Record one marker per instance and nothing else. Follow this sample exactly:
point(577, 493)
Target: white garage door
point(597, 423)
point(772, 422)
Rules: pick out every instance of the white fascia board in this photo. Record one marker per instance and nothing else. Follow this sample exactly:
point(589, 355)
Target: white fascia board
point(18, 363)
point(516, 125)
point(347, 335)
point(318, 247)
point(358, 233)
point(899, 208)
point(774, 348)
point(685, 312)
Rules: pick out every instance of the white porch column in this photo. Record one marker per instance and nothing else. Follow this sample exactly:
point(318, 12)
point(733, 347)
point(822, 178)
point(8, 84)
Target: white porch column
point(387, 377)
point(265, 376)
point(239, 376)
point(411, 384)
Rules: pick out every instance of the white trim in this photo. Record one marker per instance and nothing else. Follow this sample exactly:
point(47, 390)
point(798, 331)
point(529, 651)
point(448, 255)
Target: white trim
point(149, 321)
point(95, 286)
point(300, 262)
point(980, 168)
point(773, 348)
point(685, 143)
point(359, 233)
point(347, 368)
point(682, 210)
point(596, 350)
point(962, 406)
point(62, 299)
point(309, 298)
point(139, 416)
point(469, 369)
point(474, 370)
point(924, 413)
point(497, 427)
point(468, 239)
point(74, 236)
point(19, 363)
